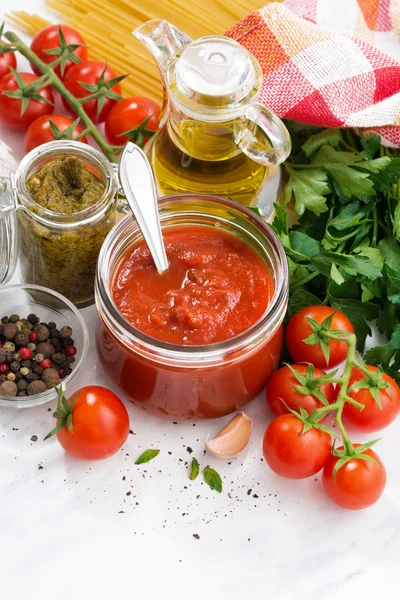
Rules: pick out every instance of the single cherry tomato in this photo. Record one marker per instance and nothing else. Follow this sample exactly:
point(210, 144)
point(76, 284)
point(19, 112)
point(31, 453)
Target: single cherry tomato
point(358, 484)
point(371, 417)
point(100, 424)
point(299, 329)
point(89, 72)
point(294, 454)
point(281, 391)
point(49, 39)
point(7, 60)
point(39, 132)
point(10, 108)
point(128, 114)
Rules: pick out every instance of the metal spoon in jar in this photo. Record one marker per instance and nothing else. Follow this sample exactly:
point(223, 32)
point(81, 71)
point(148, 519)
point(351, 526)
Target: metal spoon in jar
point(138, 184)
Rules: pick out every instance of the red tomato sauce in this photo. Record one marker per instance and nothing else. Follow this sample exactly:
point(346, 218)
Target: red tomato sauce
point(217, 286)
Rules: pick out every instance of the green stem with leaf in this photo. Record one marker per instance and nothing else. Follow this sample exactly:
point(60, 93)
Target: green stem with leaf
point(56, 82)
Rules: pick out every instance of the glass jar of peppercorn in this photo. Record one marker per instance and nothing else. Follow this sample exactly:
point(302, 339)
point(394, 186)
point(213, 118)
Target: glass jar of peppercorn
point(64, 196)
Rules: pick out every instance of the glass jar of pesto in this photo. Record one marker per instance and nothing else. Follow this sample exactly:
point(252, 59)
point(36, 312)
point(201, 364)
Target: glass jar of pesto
point(64, 194)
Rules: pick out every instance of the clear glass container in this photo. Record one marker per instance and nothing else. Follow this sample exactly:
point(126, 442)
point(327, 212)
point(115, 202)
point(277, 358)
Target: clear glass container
point(58, 251)
point(187, 382)
point(49, 306)
point(214, 137)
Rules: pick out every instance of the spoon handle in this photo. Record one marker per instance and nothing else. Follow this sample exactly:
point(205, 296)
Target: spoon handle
point(137, 181)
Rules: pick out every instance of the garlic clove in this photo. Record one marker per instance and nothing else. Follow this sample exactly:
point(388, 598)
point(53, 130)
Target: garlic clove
point(233, 439)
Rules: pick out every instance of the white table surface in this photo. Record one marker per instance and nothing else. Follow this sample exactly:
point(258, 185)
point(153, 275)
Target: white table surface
point(69, 529)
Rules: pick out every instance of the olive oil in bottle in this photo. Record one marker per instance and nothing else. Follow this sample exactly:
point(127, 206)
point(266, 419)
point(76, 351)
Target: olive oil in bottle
point(204, 162)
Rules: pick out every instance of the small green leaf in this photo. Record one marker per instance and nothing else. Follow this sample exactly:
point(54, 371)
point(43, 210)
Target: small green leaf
point(213, 479)
point(195, 469)
point(332, 137)
point(309, 188)
point(312, 339)
point(366, 446)
point(147, 456)
point(340, 463)
point(352, 182)
point(335, 275)
point(392, 281)
point(371, 145)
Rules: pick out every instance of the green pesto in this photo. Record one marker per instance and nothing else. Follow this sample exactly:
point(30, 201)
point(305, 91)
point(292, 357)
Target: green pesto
point(64, 259)
point(65, 186)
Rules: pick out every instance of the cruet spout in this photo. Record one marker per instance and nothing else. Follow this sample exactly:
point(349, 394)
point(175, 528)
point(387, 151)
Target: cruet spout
point(162, 39)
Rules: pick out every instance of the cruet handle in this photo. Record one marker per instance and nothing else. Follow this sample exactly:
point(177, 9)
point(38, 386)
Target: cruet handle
point(8, 230)
point(279, 146)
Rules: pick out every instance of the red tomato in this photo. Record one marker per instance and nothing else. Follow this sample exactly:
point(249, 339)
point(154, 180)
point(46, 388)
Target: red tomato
point(358, 484)
point(49, 38)
point(10, 108)
point(100, 424)
point(89, 72)
point(292, 454)
point(6, 61)
point(299, 329)
point(128, 114)
point(280, 391)
point(39, 131)
point(371, 417)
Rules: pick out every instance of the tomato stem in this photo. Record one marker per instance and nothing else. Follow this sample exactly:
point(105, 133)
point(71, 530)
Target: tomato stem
point(342, 397)
point(73, 102)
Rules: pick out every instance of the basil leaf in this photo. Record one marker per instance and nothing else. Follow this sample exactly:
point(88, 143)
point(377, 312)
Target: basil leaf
point(195, 469)
point(147, 456)
point(213, 479)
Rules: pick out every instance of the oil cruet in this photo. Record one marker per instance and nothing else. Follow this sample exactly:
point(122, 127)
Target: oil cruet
point(214, 137)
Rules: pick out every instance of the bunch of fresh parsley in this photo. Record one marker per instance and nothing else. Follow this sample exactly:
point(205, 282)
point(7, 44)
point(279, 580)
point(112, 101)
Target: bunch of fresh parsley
point(344, 249)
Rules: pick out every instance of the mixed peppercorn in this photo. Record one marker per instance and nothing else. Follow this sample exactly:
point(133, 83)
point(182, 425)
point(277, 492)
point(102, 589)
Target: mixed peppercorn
point(34, 356)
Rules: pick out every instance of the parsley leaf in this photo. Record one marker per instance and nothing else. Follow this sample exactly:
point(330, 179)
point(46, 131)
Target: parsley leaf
point(351, 182)
point(309, 188)
point(327, 136)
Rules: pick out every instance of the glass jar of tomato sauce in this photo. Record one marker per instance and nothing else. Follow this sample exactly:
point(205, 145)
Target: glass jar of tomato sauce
point(183, 381)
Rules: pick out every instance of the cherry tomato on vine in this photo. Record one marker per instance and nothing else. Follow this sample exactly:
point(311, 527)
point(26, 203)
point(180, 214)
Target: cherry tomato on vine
point(128, 114)
point(281, 391)
point(357, 484)
point(7, 60)
point(10, 108)
point(100, 424)
point(294, 454)
point(89, 72)
point(299, 329)
point(371, 417)
point(39, 132)
point(49, 39)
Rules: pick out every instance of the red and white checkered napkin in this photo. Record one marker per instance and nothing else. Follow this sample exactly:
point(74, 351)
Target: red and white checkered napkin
point(332, 63)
